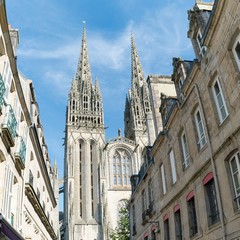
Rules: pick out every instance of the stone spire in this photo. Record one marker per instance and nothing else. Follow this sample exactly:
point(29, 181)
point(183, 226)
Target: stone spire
point(83, 70)
point(97, 89)
point(137, 71)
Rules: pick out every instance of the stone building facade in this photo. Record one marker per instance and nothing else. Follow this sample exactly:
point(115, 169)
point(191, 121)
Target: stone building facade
point(28, 184)
point(98, 170)
point(190, 189)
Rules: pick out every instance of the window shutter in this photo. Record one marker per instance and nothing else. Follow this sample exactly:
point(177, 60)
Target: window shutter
point(10, 194)
point(5, 190)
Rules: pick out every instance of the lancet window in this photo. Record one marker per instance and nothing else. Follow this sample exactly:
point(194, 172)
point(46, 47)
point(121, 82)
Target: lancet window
point(121, 168)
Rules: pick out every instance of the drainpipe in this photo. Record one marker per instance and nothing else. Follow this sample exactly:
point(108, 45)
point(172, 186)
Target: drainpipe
point(219, 198)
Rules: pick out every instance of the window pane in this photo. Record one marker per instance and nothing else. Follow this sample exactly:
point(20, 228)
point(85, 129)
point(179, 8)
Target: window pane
point(237, 49)
point(118, 169)
point(124, 169)
point(114, 169)
point(234, 165)
point(119, 180)
point(115, 180)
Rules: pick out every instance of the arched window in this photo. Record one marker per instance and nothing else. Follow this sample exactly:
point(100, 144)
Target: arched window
point(121, 168)
point(85, 102)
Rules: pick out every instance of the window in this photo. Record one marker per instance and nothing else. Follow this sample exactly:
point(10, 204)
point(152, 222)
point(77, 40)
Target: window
point(153, 236)
point(211, 203)
point(144, 201)
point(150, 191)
point(236, 51)
point(85, 102)
point(202, 49)
point(200, 130)
point(235, 172)
point(163, 180)
point(178, 225)
point(7, 80)
point(219, 100)
point(173, 167)
point(121, 168)
point(192, 217)
point(8, 192)
point(134, 219)
point(185, 151)
point(166, 230)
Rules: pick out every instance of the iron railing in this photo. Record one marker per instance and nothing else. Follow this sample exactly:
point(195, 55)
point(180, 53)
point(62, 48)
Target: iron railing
point(2, 91)
point(21, 149)
point(10, 121)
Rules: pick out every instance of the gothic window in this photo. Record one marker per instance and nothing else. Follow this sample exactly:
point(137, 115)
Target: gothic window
point(85, 102)
point(98, 106)
point(121, 168)
point(147, 106)
point(137, 110)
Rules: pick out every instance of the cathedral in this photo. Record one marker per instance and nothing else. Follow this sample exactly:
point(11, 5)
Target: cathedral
point(97, 171)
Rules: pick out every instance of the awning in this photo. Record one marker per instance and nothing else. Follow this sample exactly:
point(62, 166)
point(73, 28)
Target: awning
point(7, 231)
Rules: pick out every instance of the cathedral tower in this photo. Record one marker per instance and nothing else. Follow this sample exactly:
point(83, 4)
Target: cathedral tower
point(138, 117)
point(84, 138)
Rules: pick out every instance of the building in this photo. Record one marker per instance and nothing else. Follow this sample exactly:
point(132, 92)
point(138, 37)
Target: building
point(29, 185)
point(190, 189)
point(97, 171)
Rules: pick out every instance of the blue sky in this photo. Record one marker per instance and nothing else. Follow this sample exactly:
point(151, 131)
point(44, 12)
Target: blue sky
point(50, 42)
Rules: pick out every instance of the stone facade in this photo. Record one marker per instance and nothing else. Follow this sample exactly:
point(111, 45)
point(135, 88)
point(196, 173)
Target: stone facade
point(29, 185)
point(191, 188)
point(97, 171)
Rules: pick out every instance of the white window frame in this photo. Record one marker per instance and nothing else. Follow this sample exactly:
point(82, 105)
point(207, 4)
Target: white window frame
point(186, 160)
point(202, 49)
point(221, 95)
point(7, 77)
point(237, 58)
point(163, 180)
point(199, 125)
point(237, 195)
point(8, 193)
point(173, 167)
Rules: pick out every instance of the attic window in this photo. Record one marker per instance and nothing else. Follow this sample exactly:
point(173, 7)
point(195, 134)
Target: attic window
point(202, 49)
point(236, 51)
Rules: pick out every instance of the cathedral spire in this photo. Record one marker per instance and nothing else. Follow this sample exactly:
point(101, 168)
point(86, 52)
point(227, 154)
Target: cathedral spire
point(83, 70)
point(137, 71)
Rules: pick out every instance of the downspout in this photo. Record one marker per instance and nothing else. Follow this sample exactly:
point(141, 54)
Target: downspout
point(216, 183)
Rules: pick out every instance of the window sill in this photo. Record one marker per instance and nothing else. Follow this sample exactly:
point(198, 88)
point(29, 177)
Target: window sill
point(197, 236)
point(213, 227)
point(224, 121)
point(200, 150)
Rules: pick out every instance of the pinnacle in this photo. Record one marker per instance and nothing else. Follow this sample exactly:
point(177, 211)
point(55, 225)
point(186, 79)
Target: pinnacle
point(83, 71)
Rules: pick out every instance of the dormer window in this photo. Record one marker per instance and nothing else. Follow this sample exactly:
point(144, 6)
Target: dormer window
point(236, 51)
point(202, 49)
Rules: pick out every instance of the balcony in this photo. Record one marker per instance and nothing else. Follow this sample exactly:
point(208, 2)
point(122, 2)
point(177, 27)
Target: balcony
point(2, 91)
point(9, 127)
point(20, 154)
